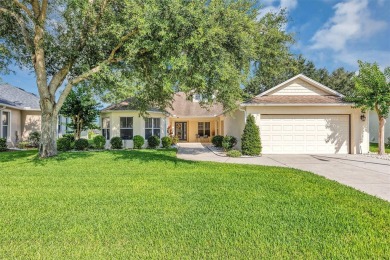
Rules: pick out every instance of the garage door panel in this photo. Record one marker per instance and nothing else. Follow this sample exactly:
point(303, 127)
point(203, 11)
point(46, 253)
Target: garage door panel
point(311, 134)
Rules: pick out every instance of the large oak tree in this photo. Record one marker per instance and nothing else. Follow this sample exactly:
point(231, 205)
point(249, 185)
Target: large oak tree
point(145, 48)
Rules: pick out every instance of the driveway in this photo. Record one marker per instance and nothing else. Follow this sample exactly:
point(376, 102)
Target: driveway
point(366, 174)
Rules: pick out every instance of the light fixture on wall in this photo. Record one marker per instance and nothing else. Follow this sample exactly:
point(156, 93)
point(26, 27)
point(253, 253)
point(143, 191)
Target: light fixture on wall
point(363, 117)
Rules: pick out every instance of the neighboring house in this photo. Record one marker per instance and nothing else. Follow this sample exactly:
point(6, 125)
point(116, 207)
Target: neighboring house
point(299, 116)
point(19, 112)
point(374, 125)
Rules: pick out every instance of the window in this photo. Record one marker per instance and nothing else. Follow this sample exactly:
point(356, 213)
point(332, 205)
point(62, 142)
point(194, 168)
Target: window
point(5, 118)
point(126, 128)
point(152, 127)
point(106, 127)
point(204, 128)
point(197, 97)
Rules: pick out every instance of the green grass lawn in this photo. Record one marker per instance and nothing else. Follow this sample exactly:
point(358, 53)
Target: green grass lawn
point(149, 204)
point(374, 148)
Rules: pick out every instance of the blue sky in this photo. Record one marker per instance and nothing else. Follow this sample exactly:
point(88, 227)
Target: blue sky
point(331, 33)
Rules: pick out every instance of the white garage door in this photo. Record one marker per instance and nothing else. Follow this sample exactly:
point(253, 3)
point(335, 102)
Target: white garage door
point(304, 134)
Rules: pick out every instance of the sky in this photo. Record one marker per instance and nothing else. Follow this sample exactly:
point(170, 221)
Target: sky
point(331, 33)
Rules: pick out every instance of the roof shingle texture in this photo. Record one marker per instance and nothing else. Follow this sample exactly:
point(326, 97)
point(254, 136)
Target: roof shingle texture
point(181, 107)
point(17, 97)
point(296, 99)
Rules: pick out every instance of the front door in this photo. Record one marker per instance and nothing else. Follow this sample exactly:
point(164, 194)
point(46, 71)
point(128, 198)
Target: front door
point(181, 130)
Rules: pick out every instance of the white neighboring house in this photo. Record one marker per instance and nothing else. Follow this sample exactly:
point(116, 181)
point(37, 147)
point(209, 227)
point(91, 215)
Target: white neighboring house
point(374, 127)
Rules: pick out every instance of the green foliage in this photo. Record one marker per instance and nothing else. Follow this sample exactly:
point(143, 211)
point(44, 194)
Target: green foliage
point(153, 141)
point(250, 140)
point(233, 153)
point(138, 141)
point(217, 140)
point(70, 137)
point(64, 144)
point(134, 198)
point(82, 108)
point(116, 142)
point(166, 142)
point(34, 138)
point(228, 142)
point(99, 141)
point(81, 144)
point(174, 139)
point(3, 144)
point(23, 145)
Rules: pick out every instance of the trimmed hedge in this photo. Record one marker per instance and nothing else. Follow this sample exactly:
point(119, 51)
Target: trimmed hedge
point(153, 141)
point(138, 141)
point(250, 140)
point(81, 144)
point(166, 142)
point(234, 153)
point(116, 142)
point(34, 138)
point(99, 141)
point(229, 142)
point(64, 144)
point(217, 140)
point(3, 144)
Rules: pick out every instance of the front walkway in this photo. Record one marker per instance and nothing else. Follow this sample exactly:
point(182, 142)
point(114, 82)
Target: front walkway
point(366, 174)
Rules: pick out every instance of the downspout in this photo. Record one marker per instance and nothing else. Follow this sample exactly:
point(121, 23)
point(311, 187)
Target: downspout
point(239, 108)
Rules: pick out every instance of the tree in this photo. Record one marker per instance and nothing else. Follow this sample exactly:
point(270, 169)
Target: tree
point(250, 140)
point(148, 49)
point(372, 92)
point(82, 108)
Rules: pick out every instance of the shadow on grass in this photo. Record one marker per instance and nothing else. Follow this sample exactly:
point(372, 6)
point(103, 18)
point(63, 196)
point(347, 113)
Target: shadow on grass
point(9, 156)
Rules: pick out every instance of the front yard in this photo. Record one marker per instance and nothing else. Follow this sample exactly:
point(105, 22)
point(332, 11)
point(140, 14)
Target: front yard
point(374, 148)
point(149, 204)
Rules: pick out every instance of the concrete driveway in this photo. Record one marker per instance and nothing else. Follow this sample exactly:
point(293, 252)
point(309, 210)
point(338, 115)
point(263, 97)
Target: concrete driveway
point(366, 174)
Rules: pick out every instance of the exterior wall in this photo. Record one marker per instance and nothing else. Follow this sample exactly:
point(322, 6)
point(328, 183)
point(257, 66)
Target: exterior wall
point(30, 122)
point(298, 87)
point(234, 125)
point(374, 127)
point(359, 129)
point(14, 124)
point(138, 124)
point(192, 127)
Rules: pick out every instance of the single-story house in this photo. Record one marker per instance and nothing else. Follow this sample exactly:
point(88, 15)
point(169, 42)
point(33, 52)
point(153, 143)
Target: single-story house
point(20, 115)
point(298, 116)
point(19, 112)
point(374, 127)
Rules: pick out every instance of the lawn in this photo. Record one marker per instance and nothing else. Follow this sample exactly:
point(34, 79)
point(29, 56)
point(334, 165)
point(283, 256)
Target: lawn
point(374, 148)
point(149, 204)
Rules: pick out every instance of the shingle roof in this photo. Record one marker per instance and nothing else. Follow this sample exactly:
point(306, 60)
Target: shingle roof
point(295, 99)
point(181, 107)
point(17, 97)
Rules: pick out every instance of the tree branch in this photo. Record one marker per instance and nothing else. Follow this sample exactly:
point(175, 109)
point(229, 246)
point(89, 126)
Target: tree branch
point(22, 24)
point(43, 12)
point(24, 8)
point(122, 42)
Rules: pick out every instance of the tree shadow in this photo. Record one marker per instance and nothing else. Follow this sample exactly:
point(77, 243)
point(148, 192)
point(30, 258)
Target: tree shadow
point(9, 156)
point(338, 136)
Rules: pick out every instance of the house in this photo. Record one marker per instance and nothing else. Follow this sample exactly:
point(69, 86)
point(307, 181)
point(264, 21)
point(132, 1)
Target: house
point(298, 116)
point(19, 112)
point(374, 127)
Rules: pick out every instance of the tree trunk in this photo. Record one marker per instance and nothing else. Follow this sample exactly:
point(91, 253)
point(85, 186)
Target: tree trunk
point(381, 136)
point(48, 144)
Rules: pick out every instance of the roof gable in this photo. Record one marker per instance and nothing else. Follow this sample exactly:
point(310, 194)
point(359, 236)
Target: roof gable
point(300, 85)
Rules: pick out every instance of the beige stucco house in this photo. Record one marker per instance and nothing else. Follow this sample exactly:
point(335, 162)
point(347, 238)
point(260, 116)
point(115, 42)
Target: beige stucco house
point(19, 112)
point(299, 116)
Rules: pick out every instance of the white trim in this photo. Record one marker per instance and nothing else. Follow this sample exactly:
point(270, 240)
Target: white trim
point(128, 110)
point(9, 139)
point(194, 116)
point(298, 104)
point(20, 108)
point(305, 78)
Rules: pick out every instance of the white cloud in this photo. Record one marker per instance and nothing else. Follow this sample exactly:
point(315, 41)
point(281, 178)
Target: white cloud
point(274, 6)
point(351, 57)
point(351, 21)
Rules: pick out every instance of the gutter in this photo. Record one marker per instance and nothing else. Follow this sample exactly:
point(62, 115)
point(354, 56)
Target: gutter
point(298, 104)
point(19, 108)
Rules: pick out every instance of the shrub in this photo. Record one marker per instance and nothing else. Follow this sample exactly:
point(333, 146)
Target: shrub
point(69, 136)
point(64, 144)
point(34, 138)
point(166, 142)
point(139, 141)
point(153, 141)
point(234, 153)
point(81, 144)
point(250, 141)
point(174, 139)
point(116, 143)
point(3, 144)
point(229, 142)
point(217, 140)
point(99, 141)
point(23, 145)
